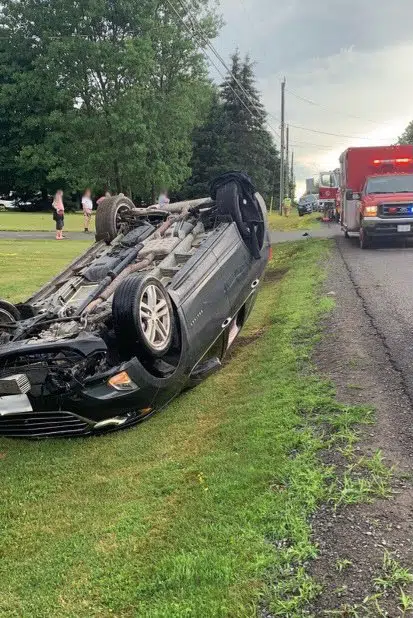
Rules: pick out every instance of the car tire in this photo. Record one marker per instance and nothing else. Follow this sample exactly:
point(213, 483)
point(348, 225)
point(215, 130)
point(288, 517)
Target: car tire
point(301, 214)
point(143, 316)
point(8, 312)
point(108, 217)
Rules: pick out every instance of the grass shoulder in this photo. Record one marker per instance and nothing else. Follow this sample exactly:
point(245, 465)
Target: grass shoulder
point(203, 511)
point(293, 222)
point(39, 222)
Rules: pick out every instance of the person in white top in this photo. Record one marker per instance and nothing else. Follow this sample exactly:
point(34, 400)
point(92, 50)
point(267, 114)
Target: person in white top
point(163, 199)
point(87, 206)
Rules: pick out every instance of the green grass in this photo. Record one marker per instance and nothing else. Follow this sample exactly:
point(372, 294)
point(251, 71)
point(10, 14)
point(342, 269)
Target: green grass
point(28, 264)
point(293, 222)
point(40, 222)
point(200, 512)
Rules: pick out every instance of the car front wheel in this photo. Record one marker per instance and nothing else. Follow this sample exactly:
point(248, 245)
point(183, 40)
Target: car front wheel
point(143, 316)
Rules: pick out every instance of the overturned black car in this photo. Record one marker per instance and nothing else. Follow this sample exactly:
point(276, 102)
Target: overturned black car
point(148, 311)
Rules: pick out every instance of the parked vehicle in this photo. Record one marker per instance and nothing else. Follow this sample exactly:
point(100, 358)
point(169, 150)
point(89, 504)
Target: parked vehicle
point(149, 310)
point(8, 202)
point(306, 205)
point(377, 192)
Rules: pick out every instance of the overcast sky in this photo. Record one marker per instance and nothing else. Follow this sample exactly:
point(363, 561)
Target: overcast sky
point(351, 57)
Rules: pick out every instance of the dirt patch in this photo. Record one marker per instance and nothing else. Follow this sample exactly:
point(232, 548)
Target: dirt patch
point(241, 343)
point(353, 541)
point(274, 275)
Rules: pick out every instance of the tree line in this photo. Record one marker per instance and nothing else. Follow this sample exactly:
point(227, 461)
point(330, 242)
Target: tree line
point(117, 95)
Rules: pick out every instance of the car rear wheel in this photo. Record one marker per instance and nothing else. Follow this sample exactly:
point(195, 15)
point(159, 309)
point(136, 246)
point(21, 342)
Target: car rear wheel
point(143, 316)
point(109, 216)
point(8, 312)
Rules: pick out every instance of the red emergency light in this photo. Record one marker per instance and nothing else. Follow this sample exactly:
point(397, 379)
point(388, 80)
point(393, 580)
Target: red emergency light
point(391, 161)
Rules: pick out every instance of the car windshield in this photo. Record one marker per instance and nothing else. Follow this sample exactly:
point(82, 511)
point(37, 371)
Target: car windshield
point(390, 184)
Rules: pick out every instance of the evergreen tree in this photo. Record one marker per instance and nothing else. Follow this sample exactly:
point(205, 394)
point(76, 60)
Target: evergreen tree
point(235, 136)
point(407, 136)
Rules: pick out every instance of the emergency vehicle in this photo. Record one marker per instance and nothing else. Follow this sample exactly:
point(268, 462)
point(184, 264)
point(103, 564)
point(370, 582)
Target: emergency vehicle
point(377, 192)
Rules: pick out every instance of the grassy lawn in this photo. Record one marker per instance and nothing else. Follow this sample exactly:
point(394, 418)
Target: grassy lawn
point(200, 512)
point(28, 264)
point(293, 222)
point(40, 222)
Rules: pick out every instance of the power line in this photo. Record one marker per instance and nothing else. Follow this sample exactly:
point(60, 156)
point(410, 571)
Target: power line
point(197, 30)
point(311, 102)
point(205, 53)
point(338, 134)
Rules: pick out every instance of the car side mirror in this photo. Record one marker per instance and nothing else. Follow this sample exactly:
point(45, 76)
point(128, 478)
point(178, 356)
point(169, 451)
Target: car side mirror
point(349, 194)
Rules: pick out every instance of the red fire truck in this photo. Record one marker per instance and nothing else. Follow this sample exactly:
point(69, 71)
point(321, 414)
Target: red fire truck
point(327, 186)
point(377, 192)
point(328, 195)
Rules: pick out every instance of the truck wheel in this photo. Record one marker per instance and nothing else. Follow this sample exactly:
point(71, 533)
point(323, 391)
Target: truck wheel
point(143, 316)
point(365, 241)
point(109, 216)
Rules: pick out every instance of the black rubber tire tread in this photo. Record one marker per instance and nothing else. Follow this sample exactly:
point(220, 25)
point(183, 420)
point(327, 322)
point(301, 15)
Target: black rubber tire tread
point(365, 241)
point(11, 309)
point(125, 316)
point(228, 195)
point(106, 217)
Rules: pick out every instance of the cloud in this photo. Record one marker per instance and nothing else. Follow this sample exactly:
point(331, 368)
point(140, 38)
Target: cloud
point(352, 57)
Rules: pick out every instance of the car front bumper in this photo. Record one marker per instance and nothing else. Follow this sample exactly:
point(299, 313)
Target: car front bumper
point(94, 407)
point(389, 227)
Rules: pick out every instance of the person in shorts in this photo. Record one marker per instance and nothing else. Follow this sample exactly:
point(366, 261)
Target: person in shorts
point(87, 206)
point(59, 214)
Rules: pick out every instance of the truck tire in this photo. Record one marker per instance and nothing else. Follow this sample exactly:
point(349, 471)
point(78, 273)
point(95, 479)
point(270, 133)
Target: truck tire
point(365, 240)
point(143, 317)
point(109, 216)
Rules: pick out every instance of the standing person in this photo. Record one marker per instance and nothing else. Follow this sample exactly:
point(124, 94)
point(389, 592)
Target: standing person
point(287, 206)
point(87, 206)
point(100, 200)
point(163, 199)
point(59, 214)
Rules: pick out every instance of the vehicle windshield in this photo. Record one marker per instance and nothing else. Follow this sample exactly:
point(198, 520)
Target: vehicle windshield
point(390, 184)
point(327, 180)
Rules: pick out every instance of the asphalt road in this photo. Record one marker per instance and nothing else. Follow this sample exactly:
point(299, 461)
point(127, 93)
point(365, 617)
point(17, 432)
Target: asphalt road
point(383, 280)
point(42, 235)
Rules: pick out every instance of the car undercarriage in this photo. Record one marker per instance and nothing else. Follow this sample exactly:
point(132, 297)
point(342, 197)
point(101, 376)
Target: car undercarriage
point(148, 310)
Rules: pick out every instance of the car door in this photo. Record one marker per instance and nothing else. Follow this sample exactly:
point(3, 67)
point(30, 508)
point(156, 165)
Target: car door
point(200, 293)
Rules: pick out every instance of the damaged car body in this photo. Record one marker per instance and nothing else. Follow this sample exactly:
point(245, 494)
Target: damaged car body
point(146, 312)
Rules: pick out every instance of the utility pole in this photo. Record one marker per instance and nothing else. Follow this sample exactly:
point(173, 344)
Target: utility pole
point(282, 153)
point(287, 164)
point(292, 174)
